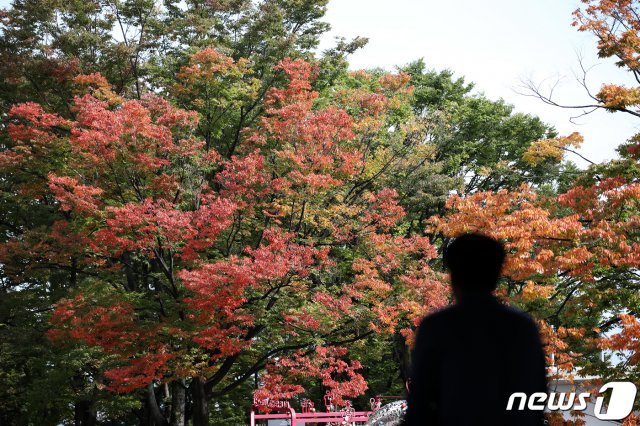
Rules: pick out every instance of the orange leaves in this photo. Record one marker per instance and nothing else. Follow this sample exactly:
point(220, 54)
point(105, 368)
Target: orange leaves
point(532, 291)
point(627, 340)
point(553, 149)
point(561, 254)
point(394, 82)
point(397, 283)
point(215, 86)
point(557, 346)
point(369, 279)
point(608, 206)
point(615, 97)
point(616, 24)
point(97, 86)
point(532, 236)
point(209, 63)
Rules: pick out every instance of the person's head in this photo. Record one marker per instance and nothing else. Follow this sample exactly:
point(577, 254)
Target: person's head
point(474, 261)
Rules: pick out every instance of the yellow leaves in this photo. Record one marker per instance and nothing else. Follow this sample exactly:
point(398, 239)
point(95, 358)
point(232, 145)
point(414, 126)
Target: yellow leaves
point(214, 80)
point(532, 291)
point(97, 86)
point(484, 171)
point(380, 158)
point(544, 149)
point(616, 97)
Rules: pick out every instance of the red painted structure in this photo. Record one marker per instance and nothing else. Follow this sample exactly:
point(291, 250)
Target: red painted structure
point(282, 410)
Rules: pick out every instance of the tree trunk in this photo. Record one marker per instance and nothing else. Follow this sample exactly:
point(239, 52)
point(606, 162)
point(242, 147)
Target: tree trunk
point(200, 404)
point(178, 399)
point(155, 415)
point(84, 414)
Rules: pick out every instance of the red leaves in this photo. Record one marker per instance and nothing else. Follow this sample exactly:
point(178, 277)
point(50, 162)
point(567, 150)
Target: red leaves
point(74, 196)
point(138, 373)
point(326, 363)
point(36, 117)
point(218, 289)
point(385, 210)
point(32, 132)
point(140, 226)
point(155, 202)
point(310, 144)
point(115, 330)
point(282, 256)
point(244, 176)
point(110, 327)
point(139, 133)
point(297, 95)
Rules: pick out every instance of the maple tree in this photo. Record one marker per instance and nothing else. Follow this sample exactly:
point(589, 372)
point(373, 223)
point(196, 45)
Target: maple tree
point(138, 46)
point(573, 249)
point(197, 270)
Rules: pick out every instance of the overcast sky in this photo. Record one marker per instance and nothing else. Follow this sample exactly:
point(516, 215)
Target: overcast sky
point(495, 44)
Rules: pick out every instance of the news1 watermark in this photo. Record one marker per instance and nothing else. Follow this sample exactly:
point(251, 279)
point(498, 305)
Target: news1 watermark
point(618, 406)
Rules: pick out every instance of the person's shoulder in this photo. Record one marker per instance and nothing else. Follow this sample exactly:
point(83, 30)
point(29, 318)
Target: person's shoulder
point(518, 317)
point(439, 316)
point(435, 323)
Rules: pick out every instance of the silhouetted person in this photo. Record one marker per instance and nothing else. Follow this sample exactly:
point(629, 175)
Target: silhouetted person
point(470, 357)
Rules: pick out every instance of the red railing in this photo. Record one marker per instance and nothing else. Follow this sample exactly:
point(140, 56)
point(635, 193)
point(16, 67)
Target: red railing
point(282, 410)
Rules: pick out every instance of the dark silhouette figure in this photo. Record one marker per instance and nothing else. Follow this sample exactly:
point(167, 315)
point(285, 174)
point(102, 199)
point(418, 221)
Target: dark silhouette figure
point(470, 357)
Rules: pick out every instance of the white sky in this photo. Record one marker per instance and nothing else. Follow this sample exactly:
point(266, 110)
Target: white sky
point(495, 44)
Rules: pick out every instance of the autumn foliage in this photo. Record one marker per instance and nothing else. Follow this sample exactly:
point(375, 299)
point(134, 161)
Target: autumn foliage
point(240, 218)
point(226, 240)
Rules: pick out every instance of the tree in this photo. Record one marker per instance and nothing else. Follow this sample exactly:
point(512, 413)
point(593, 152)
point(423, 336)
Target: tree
point(573, 250)
point(197, 270)
point(138, 46)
